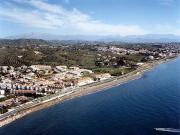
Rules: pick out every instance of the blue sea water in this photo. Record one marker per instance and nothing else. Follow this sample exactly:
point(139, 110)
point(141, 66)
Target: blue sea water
point(133, 108)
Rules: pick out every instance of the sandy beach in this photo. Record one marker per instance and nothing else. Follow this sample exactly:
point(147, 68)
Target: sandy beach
point(85, 90)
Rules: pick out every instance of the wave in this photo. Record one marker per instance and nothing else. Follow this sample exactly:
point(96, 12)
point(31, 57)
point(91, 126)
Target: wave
point(168, 130)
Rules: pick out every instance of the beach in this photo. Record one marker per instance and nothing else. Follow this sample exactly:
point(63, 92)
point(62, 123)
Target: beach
point(77, 92)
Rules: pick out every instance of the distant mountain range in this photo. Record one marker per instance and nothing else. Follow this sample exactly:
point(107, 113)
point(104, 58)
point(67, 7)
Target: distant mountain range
point(131, 38)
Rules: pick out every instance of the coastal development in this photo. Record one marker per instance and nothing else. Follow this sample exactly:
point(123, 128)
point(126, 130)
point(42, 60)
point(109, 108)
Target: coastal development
point(89, 67)
point(40, 73)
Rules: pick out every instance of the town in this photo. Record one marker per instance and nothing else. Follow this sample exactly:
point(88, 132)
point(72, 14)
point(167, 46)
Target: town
point(35, 70)
point(18, 84)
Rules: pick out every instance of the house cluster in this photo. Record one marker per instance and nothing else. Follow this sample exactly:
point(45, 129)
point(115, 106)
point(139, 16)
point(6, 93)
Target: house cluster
point(41, 80)
point(151, 53)
point(12, 102)
point(17, 84)
point(119, 56)
point(117, 50)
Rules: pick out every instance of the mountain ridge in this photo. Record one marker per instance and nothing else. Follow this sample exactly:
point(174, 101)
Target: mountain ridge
point(130, 38)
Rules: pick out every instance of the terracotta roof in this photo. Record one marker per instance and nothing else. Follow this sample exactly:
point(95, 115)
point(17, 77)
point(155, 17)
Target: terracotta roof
point(25, 91)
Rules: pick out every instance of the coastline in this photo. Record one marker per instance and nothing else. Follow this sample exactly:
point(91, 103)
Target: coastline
point(85, 90)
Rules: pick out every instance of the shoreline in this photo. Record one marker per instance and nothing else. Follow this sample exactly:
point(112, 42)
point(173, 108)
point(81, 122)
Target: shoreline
point(82, 91)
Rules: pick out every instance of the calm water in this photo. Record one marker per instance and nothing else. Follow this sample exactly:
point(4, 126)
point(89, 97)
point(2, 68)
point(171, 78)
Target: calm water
point(134, 108)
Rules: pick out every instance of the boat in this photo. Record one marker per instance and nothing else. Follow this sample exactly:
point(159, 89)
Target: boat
point(168, 130)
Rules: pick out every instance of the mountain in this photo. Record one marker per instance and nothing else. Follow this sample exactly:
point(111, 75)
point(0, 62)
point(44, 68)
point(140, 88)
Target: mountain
point(46, 36)
point(153, 38)
point(131, 38)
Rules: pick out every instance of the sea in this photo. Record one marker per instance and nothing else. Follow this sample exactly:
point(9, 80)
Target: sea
point(137, 107)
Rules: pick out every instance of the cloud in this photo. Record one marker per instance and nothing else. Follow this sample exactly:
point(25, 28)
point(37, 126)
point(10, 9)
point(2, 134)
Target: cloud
point(43, 15)
point(166, 29)
point(33, 19)
point(167, 2)
point(40, 14)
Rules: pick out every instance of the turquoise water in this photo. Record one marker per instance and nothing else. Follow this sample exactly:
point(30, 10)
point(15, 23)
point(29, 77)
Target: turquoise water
point(133, 108)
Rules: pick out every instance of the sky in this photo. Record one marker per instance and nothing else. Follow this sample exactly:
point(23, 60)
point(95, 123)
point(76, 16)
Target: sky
point(89, 17)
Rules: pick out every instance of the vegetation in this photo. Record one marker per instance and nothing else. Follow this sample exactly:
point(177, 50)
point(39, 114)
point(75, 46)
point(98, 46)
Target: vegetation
point(71, 53)
point(6, 98)
point(113, 71)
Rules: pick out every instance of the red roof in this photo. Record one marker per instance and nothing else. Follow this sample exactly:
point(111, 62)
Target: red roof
point(25, 91)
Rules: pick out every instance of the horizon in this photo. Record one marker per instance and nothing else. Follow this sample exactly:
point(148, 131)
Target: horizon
point(90, 17)
point(147, 38)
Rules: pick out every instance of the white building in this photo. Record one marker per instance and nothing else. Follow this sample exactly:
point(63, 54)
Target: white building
point(74, 68)
point(84, 81)
point(2, 92)
point(61, 68)
point(103, 76)
point(40, 67)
